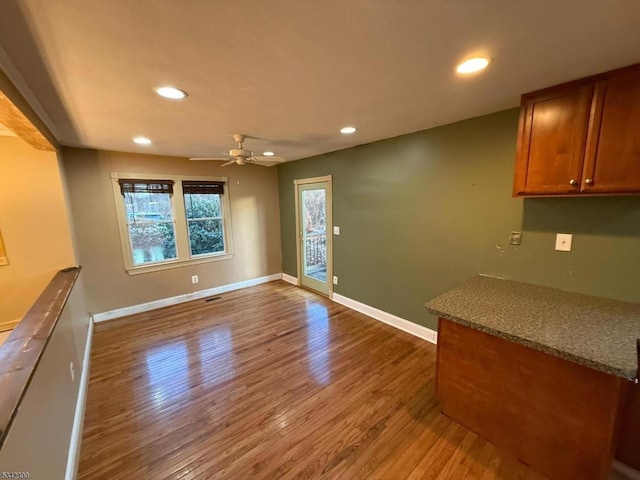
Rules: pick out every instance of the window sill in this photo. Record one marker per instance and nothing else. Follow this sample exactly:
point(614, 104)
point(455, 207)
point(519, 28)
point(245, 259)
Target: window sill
point(156, 267)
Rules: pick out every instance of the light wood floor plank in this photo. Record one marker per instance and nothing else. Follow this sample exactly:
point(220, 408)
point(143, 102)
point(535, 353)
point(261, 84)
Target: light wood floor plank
point(271, 382)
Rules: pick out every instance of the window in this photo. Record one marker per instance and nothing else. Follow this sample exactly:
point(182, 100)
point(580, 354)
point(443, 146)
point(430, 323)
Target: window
point(170, 221)
point(150, 225)
point(205, 217)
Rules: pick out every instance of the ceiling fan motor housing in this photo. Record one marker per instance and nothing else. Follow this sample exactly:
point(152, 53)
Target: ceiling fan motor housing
point(240, 152)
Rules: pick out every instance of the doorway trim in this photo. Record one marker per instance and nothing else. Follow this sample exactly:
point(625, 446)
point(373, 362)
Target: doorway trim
point(329, 220)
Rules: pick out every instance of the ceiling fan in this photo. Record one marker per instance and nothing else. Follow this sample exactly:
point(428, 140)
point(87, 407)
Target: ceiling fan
point(242, 156)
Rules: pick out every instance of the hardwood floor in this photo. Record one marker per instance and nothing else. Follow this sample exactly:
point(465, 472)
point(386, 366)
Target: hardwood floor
point(271, 382)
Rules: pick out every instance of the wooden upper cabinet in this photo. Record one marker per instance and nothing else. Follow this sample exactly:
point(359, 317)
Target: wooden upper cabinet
point(553, 128)
point(581, 138)
point(612, 161)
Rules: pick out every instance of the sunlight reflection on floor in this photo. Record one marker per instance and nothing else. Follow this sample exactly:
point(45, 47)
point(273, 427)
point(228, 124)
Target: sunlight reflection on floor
point(318, 333)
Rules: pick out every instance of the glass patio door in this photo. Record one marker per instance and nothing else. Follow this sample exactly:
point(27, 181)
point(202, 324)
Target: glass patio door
point(313, 236)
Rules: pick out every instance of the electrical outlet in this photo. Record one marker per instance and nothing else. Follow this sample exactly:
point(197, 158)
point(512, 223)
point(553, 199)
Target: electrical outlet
point(563, 242)
point(335, 280)
point(336, 230)
point(515, 238)
point(194, 279)
point(73, 372)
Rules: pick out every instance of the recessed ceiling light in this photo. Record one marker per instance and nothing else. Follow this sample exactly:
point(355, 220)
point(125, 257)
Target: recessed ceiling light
point(268, 154)
point(473, 65)
point(347, 130)
point(171, 92)
point(142, 141)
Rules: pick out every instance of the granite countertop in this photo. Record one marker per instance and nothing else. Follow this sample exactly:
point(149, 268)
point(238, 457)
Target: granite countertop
point(592, 331)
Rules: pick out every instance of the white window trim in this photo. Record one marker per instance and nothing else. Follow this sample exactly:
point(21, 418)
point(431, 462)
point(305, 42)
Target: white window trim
point(183, 249)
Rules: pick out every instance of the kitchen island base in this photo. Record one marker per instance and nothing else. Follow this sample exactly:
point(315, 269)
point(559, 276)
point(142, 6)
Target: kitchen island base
point(556, 416)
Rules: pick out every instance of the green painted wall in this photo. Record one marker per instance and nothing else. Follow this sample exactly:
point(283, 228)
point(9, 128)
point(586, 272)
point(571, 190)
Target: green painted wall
point(421, 213)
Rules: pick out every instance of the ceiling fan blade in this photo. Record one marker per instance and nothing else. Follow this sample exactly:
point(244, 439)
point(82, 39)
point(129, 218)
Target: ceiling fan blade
point(220, 159)
point(265, 159)
point(231, 162)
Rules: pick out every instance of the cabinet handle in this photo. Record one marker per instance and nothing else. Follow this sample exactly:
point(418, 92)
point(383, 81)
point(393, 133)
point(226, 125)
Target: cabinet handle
point(589, 181)
point(573, 183)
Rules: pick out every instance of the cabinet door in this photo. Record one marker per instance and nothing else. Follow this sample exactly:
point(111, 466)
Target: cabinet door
point(551, 140)
point(612, 162)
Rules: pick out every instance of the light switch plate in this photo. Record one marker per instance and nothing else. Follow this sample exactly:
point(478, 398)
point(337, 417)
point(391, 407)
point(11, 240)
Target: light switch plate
point(563, 242)
point(515, 238)
point(336, 230)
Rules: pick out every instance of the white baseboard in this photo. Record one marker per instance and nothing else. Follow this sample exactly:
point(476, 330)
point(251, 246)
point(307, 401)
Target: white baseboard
point(78, 419)
point(165, 302)
point(400, 323)
point(626, 470)
point(290, 279)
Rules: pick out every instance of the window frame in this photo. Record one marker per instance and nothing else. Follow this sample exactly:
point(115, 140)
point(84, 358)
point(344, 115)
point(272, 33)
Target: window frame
point(219, 218)
point(183, 250)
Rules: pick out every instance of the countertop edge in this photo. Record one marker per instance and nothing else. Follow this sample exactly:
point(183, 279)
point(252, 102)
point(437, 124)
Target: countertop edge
point(536, 346)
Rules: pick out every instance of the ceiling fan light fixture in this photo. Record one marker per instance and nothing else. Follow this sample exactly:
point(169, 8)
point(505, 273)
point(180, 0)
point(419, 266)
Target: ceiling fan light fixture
point(268, 154)
point(172, 93)
point(142, 141)
point(348, 130)
point(473, 65)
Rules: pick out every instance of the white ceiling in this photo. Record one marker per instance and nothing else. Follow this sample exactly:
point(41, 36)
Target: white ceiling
point(292, 72)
